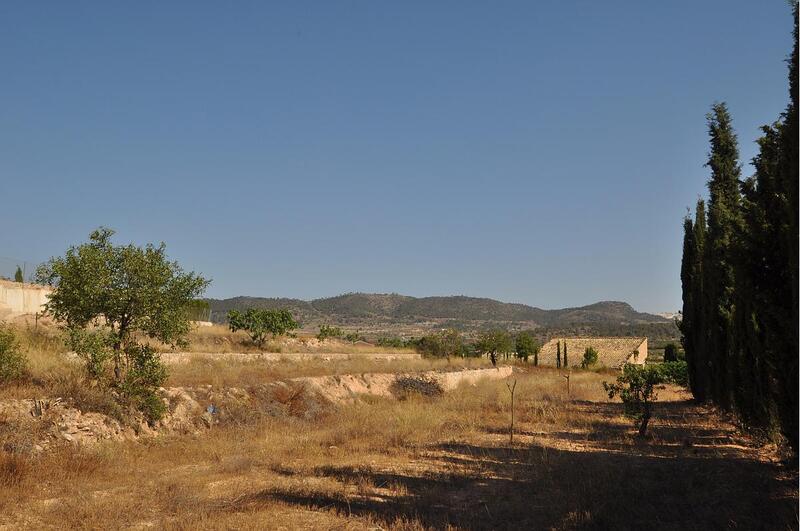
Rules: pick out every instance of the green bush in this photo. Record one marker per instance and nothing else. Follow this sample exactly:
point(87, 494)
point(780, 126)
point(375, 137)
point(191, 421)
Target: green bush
point(354, 337)
point(145, 375)
point(396, 342)
point(590, 358)
point(258, 323)
point(671, 352)
point(13, 364)
point(636, 388)
point(526, 346)
point(326, 331)
point(94, 347)
point(675, 372)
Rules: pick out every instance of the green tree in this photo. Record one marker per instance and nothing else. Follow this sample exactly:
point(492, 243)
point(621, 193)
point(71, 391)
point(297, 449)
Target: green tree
point(671, 352)
point(13, 364)
point(18, 277)
point(450, 342)
point(589, 358)
point(260, 322)
point(740, 275)
point(326, 331)
point(724, 222)
point(526, 346)
point(120, 291)
point(636, 388)
point(558, 354)
point(695, 303)
point(493, 342)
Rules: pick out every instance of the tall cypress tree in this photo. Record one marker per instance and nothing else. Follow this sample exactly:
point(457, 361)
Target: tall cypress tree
point(759, 270)
point(558, 354)
point(692, 321)
point(740, 274)
point(788, 376)
point(724, 220)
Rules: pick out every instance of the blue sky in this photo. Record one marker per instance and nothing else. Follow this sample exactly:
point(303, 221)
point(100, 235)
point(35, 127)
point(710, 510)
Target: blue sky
point(536, 152)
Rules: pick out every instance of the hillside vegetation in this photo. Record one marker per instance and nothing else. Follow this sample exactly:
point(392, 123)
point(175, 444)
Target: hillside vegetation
point(356, 308)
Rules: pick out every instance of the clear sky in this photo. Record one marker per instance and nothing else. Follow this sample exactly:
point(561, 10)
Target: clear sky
point(535, 152)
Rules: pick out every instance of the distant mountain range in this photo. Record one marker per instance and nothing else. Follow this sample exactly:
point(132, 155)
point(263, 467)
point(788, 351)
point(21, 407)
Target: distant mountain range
point(356, 308)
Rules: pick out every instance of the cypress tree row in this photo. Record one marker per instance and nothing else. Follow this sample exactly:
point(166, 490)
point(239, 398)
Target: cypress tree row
point(739, 275)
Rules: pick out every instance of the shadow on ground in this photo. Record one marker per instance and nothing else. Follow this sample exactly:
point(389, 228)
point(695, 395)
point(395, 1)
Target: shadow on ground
point(657, 484)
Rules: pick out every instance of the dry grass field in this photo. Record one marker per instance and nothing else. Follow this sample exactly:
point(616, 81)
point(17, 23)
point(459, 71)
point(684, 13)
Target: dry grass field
point(419, 463)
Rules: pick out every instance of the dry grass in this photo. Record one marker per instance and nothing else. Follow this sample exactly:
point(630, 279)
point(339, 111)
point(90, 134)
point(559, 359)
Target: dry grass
point(418, 464)
point(202, 370)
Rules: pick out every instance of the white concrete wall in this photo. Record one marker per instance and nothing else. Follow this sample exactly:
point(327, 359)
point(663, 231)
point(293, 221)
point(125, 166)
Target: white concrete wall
point(17, 298)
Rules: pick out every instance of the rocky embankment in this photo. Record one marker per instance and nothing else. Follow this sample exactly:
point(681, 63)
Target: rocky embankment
point(36, 424)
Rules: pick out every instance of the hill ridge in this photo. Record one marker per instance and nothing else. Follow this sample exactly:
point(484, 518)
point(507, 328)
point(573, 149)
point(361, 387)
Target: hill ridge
point(390, 307)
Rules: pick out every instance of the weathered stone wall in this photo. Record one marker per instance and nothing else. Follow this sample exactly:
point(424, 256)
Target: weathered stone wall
point(611, 351)
point(18, 298)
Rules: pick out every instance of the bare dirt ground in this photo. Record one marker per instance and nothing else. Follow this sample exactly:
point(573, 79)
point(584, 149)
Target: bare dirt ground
point(421, 463)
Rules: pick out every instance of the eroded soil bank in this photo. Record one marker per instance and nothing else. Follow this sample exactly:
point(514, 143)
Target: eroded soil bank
point(36, 424)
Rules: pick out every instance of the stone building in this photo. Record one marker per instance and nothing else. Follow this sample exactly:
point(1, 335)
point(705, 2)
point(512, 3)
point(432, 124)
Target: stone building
point(612, 352)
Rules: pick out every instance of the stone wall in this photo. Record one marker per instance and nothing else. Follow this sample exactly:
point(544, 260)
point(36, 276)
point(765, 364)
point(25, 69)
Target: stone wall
point(18, 298)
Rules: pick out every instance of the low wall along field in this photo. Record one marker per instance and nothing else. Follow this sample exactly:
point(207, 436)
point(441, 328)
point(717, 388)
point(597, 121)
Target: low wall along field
point(18, 298)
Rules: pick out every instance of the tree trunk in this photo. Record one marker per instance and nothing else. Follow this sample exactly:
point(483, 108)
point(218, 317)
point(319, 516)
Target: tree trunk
point(117, 361)
point(645, 421)
point(493, 357)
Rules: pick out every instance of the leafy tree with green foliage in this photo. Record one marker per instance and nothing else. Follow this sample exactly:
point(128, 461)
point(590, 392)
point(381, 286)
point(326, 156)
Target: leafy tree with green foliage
point(526, 346)
point(260, 322)
point(13, 364)
point(199, 310)
point(495, 341)
point(354, 337)
point(671, 352)
point(18, 276)
point(443, 344)
point(674, 372)
point(450, 342)
point(636, 388)
point(117, 292)
point(326, 331)
point(590, 358)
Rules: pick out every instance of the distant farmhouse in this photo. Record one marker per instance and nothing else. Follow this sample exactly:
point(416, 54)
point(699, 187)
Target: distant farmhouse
point(612, 352)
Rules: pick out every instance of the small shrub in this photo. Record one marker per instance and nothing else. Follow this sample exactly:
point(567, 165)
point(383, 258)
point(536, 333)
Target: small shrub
point(354, 337)
point(589, 358)
point(13, 364)
point(326, 331)
point(142, 380)
point(94, 347)
point(674, 372)
point(395, 342)
point(671, 352)
point(406, 386)
point(636, 388)
point(13, 468)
